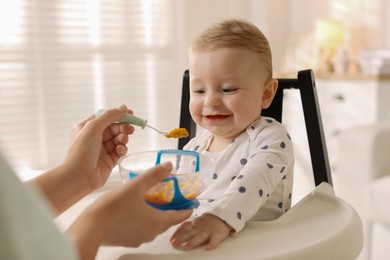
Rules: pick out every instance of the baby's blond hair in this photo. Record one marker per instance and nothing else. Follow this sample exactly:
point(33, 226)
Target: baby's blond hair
point(236, 33)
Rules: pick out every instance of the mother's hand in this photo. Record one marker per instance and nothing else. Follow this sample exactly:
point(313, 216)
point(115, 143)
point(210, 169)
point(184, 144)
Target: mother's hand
point(96, 145)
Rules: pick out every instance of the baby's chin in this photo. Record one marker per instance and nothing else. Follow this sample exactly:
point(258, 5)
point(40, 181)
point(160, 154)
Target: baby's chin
point(227, 134)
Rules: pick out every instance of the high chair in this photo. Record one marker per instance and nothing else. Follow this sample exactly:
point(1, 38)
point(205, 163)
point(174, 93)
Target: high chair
point(321, 225)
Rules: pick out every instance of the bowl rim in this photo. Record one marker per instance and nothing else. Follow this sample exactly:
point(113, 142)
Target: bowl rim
point(200, 155)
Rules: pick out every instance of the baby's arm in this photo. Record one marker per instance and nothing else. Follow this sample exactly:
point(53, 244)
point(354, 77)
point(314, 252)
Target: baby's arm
point(207, 230)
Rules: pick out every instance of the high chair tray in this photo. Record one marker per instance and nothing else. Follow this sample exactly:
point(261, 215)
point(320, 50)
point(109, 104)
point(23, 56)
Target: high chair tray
point(320, 226)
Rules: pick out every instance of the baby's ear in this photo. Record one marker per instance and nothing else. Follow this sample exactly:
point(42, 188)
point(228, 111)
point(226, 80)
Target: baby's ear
point(269, 91)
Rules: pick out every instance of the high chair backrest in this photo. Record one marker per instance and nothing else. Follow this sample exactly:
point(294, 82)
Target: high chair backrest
point(311, 110)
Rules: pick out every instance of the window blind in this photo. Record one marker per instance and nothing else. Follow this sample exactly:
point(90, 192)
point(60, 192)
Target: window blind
point(62, 60)
point(386, 22)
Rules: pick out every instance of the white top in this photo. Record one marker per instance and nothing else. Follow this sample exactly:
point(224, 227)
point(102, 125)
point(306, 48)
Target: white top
point(27, 230)
point(253, 176)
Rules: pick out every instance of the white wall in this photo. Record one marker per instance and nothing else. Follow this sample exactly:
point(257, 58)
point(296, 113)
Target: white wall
point(289, 24)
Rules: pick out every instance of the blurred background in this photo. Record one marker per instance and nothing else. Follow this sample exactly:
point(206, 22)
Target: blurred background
point(61, 60)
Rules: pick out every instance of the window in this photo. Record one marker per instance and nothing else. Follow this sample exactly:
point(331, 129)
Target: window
point(62, 60)
point(386, 22)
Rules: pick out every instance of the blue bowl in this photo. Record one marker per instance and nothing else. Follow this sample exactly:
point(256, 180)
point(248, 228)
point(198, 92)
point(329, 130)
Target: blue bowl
point(190, 175)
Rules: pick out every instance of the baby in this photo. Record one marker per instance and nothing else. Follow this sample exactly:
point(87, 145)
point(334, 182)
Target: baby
point(230, 83)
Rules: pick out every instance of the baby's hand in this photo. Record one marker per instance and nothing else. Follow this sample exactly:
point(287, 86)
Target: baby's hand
point(206, 230)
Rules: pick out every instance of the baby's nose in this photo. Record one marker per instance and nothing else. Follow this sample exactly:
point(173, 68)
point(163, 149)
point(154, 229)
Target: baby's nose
point(213, 100)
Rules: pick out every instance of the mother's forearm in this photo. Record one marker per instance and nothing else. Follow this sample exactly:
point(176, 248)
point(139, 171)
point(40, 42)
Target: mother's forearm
point(60, 187)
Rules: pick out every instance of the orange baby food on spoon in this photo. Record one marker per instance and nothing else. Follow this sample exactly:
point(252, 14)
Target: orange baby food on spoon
point(177, 133)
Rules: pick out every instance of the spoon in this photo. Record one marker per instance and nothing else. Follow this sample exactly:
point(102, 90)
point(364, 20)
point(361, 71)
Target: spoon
point(134, 120)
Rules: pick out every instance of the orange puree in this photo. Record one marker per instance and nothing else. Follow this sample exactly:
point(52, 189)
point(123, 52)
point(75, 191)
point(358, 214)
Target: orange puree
point(178, 133)
point(163, 193)
point(161, 198)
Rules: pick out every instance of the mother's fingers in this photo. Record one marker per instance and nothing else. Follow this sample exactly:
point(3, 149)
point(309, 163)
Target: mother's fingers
point(153, 176)
point(120, 150)
point(107, 118)
point(120, 140)
point(117, 129)
point(89, 118)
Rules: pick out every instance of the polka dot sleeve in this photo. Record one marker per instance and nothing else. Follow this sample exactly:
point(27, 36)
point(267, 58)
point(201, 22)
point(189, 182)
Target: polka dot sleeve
point(257, 171)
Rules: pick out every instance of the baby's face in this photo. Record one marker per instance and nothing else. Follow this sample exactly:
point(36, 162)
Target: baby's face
point(226, 87)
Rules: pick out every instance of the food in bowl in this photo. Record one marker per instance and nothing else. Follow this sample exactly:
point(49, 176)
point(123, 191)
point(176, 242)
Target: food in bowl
point(190, 186)
point(191, 173)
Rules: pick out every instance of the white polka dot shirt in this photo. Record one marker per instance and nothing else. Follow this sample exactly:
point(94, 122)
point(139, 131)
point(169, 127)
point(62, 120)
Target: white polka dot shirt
point(253, 177)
